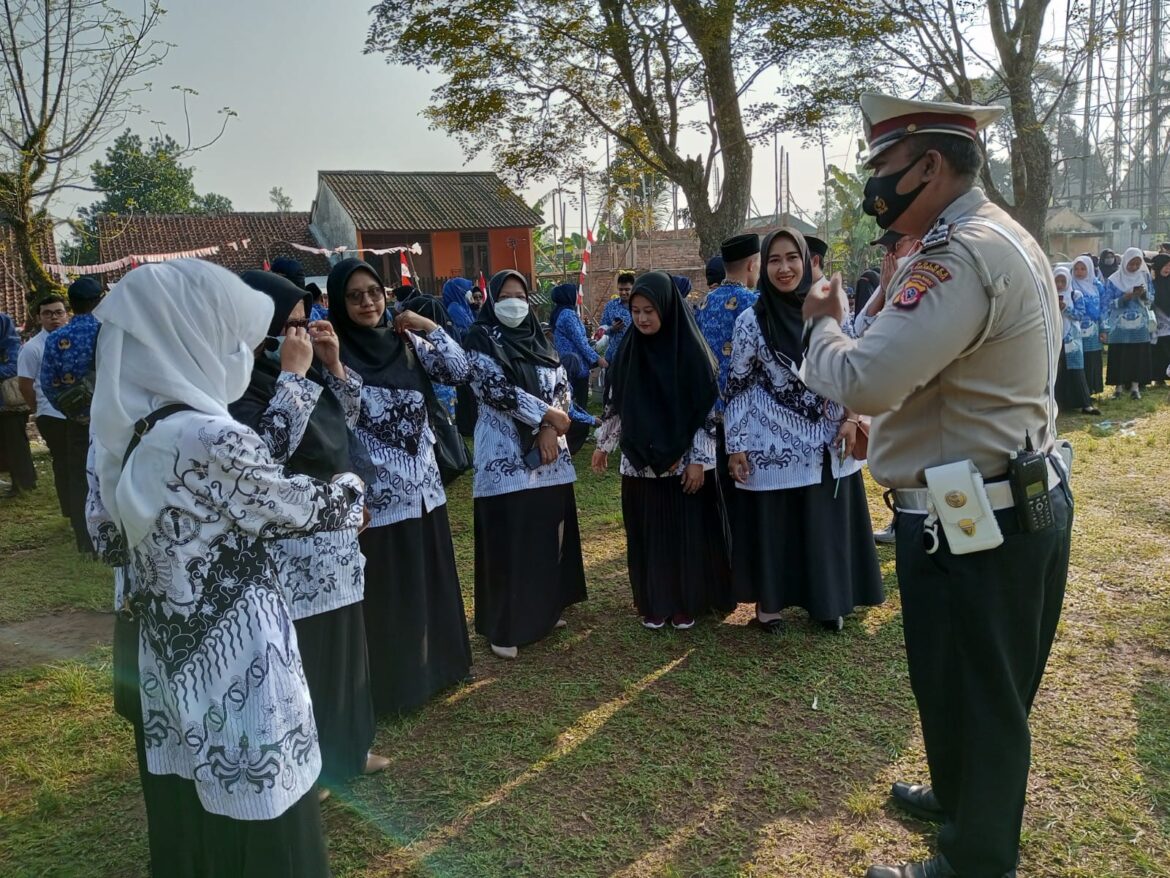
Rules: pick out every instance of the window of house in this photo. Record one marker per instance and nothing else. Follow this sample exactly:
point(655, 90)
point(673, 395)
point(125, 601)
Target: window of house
point(475, 254)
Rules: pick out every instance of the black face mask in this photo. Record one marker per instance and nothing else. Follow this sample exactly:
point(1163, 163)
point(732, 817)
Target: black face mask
point(882, 199)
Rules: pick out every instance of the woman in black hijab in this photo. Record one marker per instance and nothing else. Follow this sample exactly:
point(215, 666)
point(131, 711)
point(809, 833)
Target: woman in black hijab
point(660, 394)
point(302, 402)
point(528, 566)
point(417, 631)
point(1160, 359)
point(435, 311)
point(802, 534)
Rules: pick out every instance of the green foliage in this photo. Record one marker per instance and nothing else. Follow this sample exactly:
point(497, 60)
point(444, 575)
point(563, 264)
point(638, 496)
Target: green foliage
point(540, 84)
point(850, 229)
point(138, 177)
point(279, 200)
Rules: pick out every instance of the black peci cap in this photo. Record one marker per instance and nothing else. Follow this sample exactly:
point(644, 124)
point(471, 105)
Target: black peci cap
point(740, 247)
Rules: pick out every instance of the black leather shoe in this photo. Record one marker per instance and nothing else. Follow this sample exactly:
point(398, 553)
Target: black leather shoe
point(917, 800)
point(935, 867)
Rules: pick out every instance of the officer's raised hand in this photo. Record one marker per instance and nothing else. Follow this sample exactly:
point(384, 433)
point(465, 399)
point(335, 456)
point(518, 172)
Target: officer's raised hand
point(826, 302)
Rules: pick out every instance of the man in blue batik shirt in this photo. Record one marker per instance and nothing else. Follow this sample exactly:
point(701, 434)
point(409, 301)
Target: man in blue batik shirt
point(616, 316)
point(716, 318)
point(724, 303)
point(68, 358)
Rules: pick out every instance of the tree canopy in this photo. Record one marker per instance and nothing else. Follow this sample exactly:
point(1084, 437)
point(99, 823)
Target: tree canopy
point(540, 84)
point(137, 177)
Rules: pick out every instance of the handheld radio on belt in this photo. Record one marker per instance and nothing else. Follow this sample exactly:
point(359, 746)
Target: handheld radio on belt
point(1028, 477)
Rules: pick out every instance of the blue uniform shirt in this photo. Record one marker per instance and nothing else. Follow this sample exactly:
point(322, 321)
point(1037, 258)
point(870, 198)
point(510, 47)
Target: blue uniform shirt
point(716, 318)
point(615, 309)
point(69, 355)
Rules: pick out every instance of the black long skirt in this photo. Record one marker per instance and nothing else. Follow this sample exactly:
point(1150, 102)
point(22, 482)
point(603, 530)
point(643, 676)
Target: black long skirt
point(800, 547)
point(1072, 392)
point(337, 668)
point(528, 565)
point(1130, 364)
point(416, 630)
point(1160, 359)
point(676, 547)
point(727, 488)
point(1094, 371)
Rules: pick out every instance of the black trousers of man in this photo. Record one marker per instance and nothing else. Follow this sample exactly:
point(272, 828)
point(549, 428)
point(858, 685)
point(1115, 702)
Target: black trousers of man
point(76, 450)
point(52, 430)
point(979, 629)
point(15, 454)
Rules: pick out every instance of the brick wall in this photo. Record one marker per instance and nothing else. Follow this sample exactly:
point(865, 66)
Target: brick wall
point(675, 252)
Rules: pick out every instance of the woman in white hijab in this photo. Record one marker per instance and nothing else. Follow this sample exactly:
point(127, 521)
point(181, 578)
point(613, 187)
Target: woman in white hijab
point(227, 741)
point(1125, 303)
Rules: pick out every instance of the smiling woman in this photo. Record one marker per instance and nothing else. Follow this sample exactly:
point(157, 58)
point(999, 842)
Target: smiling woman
point(790, 451)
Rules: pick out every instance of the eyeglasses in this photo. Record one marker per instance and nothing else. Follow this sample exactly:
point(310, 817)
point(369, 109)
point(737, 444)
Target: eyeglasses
point(296, 324)
point(369, 294)
point(57, 312)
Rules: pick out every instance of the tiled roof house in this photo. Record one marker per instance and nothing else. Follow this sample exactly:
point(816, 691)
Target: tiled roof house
point(12, 278)
point(269, 235)
point(465, 222)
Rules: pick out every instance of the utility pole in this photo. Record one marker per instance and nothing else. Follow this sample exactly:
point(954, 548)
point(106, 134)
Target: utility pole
point(1086, 119)
point(1156, 154)
point(1117, 101)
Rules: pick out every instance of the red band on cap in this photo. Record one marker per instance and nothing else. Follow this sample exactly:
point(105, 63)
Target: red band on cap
point(922, 120)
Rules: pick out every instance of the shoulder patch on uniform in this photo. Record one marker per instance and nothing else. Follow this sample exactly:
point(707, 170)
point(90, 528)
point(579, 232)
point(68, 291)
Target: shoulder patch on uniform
point(924, 276)
point(731, 304)
point(939, 236)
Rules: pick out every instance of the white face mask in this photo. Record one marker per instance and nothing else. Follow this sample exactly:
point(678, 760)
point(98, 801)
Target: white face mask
point(512, 312)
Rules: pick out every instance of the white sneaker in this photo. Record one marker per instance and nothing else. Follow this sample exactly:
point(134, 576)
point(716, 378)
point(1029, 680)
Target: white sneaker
point(885, 537)
point(561, 623)
point(505, 652)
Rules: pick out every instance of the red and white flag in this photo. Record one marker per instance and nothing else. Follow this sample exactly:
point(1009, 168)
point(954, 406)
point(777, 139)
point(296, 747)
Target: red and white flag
point(482, 284)
point(584, 267)
point(406, 281)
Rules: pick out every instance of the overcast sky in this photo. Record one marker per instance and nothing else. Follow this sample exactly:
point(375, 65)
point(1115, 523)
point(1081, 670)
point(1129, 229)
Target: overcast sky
point(309, 100)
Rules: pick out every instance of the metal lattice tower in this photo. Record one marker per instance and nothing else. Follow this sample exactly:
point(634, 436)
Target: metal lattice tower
point(1120, 169)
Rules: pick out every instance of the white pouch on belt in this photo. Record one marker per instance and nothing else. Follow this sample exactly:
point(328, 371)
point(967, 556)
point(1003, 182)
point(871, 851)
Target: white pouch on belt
point(960, 503)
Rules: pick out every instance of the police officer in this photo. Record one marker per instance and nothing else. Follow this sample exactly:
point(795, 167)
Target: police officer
point(958, 366)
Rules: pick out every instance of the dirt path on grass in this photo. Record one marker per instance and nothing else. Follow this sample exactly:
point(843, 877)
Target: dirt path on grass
point(53, 638)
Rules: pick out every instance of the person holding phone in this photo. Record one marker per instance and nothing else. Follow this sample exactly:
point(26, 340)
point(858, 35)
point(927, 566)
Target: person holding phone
point(1126, 302)
point(801, 530)
point(528, 566)
point(615, 319)
point(660, 409)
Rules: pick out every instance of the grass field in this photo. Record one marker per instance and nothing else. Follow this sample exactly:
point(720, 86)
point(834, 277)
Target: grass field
point(610, 750)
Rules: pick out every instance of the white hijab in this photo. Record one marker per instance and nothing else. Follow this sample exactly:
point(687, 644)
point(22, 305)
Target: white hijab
point(1126, 280)
point(173, 332)
point(1089, 283)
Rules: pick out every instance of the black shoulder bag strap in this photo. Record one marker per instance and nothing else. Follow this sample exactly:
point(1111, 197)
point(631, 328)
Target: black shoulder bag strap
point(144, 425)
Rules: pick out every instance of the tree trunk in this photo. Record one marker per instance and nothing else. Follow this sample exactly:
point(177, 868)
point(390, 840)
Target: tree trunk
point(711, 30)
point(28, 235)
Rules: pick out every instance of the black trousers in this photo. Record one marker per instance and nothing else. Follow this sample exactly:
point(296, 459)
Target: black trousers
point(76, 450)
point(52, 430)
point(979, 629)
point(15, 454)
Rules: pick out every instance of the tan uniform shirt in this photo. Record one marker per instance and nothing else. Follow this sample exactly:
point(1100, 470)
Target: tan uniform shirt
point(939, 390)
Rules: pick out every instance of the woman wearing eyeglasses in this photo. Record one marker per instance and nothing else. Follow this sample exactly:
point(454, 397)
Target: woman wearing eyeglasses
point(302, 402)
point(415, 624)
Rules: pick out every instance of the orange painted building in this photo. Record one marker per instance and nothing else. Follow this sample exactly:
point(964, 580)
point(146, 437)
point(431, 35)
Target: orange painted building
point(464, 223)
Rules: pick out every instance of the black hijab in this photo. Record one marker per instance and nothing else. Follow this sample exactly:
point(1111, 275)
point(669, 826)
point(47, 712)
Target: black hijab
point(432, 309)
point(1161, 284)
point(518, 351)
point(778, 313)
point(324, 450)
point(379, 354)
point(663, 385)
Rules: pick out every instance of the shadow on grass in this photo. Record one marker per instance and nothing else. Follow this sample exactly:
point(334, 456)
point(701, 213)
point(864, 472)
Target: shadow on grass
point(608, 749)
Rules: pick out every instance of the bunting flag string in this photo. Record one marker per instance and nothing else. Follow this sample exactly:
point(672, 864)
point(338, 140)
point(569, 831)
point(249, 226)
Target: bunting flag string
point(64, 272)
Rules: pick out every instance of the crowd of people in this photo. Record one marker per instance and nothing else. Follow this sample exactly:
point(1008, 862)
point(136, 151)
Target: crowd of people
point(265, 464)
